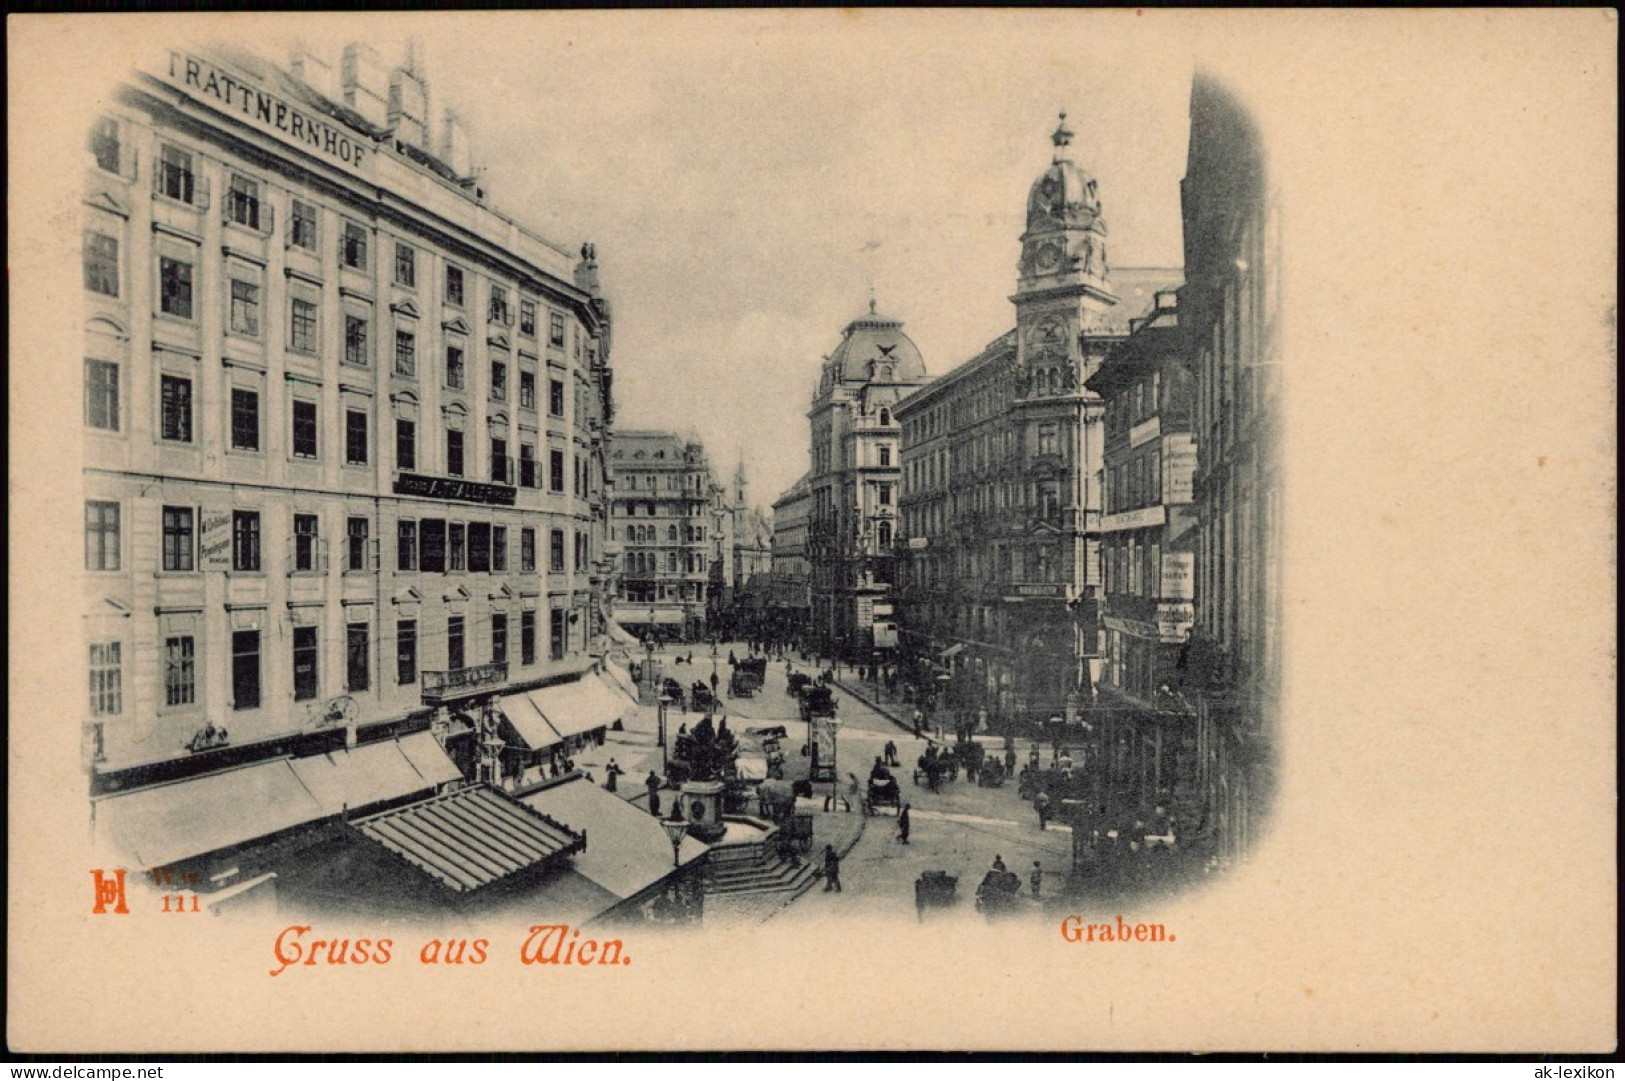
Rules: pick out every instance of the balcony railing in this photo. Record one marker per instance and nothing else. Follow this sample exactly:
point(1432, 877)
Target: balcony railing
point(447, 684)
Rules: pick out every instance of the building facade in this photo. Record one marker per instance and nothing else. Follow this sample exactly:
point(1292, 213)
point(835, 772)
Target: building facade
point(344, 421)
point(1001, 460)
point(854, 484)
point(1147, 557)
point(1229, 309)
point(669, 524)
point(790, 603)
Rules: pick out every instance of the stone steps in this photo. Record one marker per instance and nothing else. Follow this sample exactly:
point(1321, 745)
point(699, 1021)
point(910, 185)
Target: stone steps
point(772, 877)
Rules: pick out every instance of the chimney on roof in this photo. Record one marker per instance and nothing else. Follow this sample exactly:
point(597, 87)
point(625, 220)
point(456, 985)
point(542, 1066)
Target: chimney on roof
point(454, 146)
point(312, 70)
point(366, 84)
point(409, 107)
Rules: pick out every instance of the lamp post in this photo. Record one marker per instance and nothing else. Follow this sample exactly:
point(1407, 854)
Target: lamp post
point(675, 828)
point(649, 658)
point(663, 702)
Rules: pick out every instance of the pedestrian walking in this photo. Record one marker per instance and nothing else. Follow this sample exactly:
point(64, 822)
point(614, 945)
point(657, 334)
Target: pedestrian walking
point(732, 662)
point(714, 682)
point(902, 824)
point(1009, 760)
point(832, 870)
point(1036, 878)
point(1041, 802)
point(919, 719)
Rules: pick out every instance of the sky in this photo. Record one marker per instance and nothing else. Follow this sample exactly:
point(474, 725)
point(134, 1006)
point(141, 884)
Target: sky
point(748, 177)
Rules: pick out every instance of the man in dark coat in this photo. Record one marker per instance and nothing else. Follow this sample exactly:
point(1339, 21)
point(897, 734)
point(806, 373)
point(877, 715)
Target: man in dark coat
point(902, 824)
point(832, 870)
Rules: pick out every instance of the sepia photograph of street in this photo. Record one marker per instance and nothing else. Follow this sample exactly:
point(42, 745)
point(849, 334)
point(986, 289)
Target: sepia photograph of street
point(641, 484)
point(409, 574)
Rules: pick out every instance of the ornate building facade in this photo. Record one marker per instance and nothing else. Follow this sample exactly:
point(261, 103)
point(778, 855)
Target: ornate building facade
point(669, 529)
point(343, 420)
point(1002, 459)
point(854, 481)
point(1148, 535)
point(1229, 309)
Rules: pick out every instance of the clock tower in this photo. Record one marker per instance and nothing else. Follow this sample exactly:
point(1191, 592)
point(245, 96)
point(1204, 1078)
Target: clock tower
point(1064, 290)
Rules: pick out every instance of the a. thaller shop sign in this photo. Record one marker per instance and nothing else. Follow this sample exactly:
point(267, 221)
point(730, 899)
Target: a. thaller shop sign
point(468, 491)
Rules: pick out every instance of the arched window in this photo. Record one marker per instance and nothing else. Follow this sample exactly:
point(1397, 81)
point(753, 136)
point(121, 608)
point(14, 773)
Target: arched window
point(671, 562)
point(883, 535)
point(671, 534)
point(885, 416)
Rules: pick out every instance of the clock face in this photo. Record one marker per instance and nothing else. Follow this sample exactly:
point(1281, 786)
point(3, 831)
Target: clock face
point(1049, 255)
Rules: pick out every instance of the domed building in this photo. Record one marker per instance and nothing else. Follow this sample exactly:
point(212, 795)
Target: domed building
point(1002, 461)
point(854, 481)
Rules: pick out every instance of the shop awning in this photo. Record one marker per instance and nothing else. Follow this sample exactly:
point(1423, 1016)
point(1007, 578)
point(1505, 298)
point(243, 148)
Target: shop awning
point(472, 837)
point(627, 850)
point(620, 679)
point(528, 721)
point(580, 706)
point(375, 772)
point(154, 827)
point(618, 633)
point(625, 697)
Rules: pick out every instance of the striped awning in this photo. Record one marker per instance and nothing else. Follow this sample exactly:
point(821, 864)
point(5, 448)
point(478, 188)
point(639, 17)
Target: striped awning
point(472, 837)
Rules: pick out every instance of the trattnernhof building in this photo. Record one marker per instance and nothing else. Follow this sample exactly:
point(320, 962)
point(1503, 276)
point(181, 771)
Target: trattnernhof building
point(344, 421)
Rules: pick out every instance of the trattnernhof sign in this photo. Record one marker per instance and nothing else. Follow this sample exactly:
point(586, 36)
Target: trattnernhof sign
point(266, 110)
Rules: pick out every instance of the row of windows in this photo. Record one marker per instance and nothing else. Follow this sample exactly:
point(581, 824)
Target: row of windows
point(1134, 483)
point(244, 318)
point(431, 545)
point(177, 410)
point(648, 534)
point(175, 177)
point(180, 660)
point(646, 563)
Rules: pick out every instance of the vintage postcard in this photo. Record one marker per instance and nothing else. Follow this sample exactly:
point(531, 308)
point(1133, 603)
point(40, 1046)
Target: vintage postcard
point(813, 530)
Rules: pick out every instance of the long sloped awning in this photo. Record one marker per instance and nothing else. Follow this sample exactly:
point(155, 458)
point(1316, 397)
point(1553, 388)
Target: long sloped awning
point(628, 849)
point(618, 633)
point(472, 837)
point(375, 772)
point(581, 706)
point(157, 826)
point(528, 721)
point(166, 823)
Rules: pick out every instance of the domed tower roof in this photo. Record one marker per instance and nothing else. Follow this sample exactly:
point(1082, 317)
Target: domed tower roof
point(874, 347)
point(1065, 193)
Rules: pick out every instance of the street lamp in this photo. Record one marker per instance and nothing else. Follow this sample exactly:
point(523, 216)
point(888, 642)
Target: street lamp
point(663, 702)
point(649, 657)
point(675, 828)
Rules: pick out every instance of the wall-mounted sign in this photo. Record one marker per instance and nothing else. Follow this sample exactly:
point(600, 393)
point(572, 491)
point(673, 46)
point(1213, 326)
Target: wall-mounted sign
point(1174, 620)
point(468, 491)
point(1178, 468)
point(1140, 518)
point(214, 540)
point(1179, 576)
point(233, 95)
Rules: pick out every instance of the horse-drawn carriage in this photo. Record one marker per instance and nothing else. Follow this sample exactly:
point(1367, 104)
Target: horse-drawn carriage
point(700, 698)
point(883, 791)
point(934, 766)
point(748, 677)
point(933, 889)
point(817, 700)
point(672, 691)
point(797, 683)
point(992, 774)
point(999, 893)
